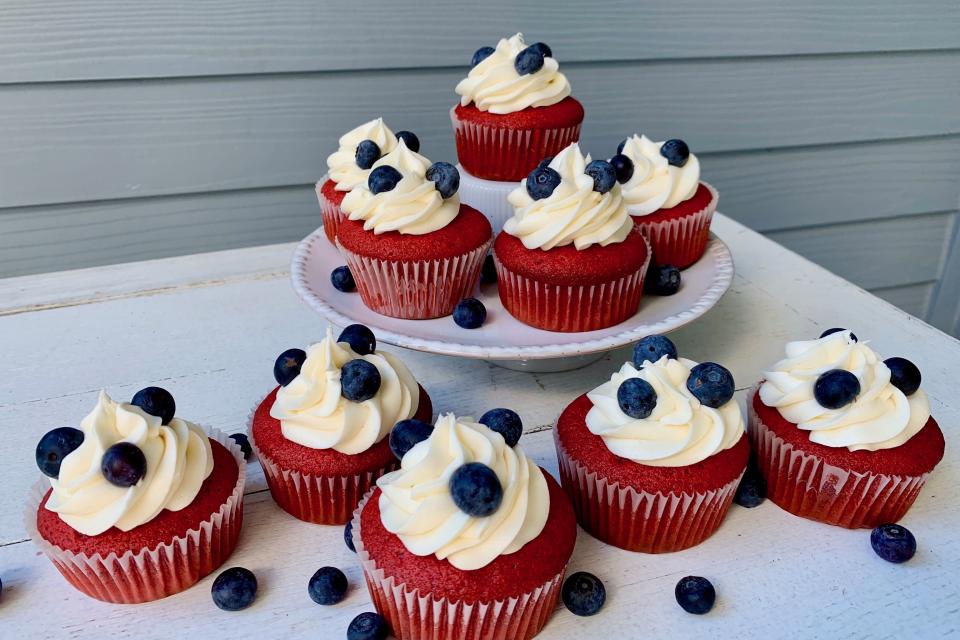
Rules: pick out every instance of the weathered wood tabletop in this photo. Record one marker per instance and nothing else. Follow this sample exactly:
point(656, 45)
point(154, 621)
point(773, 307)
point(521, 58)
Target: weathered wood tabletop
point(208, 327)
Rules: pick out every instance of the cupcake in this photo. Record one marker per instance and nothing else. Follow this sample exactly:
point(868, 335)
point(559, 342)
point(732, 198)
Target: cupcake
point(669, 204)
point(842, 436)
point(321, 436)
point(414, 250)
point(468, 539)
point(139, 504)
point(569, 259)
point(652, 458)
point(515, 109)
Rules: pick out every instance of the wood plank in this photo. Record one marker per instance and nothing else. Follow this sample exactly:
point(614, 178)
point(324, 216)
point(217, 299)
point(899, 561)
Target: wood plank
point(180, 136)
point(912, 298)
point(63, 40)
point(945, 305)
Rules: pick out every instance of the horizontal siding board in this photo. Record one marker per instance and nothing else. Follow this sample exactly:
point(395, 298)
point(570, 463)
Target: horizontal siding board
point(83, 39)
point(912, 298)
point(93, 141)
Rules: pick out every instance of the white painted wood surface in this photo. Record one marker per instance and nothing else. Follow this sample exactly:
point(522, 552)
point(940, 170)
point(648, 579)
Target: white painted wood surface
point(208, 329)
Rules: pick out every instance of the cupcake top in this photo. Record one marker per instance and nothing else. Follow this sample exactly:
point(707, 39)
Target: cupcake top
point(650, 413)
point(405, 193)
point(561, 203)
point(513, 77)
point(465, 496)
point(840, 390)
point(664, 174)
point(343, 400)
point(348, 165)
point(129, 467)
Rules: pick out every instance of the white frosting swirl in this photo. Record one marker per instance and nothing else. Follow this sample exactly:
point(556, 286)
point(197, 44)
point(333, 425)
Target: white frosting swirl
point(413, 207)
point(881, 416)
point(678, 433)
point(179, 459)
point(312, 412)
point(416, 504)
point(655, 183)
point(495, 86)
point(342, 163)
point(573, 214)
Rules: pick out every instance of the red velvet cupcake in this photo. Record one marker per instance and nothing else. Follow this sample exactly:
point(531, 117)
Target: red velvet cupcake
point(515, 109)
point(413, 249)
point(669, 204)
point(841, 436)
point(653, 468)
point(319, 448)
point(481, 569)
point(569, 260)
point(141, 506)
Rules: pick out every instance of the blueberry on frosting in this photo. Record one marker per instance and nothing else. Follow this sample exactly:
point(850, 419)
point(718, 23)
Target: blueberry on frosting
point(505, 422)
point(542, 48)
point(445, 177)
point(367, 153)
point(711, 384)
point(904, 375)
point(123, 464)
point(360, 338)
point(410, 139)
point(359, 380)
point(830, 332)
point(836, 388)
point(603, 174)
point(480, 55)
point(545, 162)
point(675, 151)
point(54, 446)
point(623, 166)
point(542, 181)
point(156, 401)
point(652, 348)
point(287, 366)
point(383, 178)
point(406, 434)
point(476, 490)
point(636, 398)
point(622, 144)
point(530, 60)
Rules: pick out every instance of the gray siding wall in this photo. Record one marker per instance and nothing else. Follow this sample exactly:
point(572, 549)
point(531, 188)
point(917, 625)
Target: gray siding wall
point(146, 129)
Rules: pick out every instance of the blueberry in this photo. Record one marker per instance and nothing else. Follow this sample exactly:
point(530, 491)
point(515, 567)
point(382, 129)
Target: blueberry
point(652, 348)
point(383, 178)
point(603, 174)
point(542, 48)
point(348, 536)
point(542, 181)
point(830, 332)
point(287, 366)
point(359, 380)
point(530, 60)
point(367, 153)
point(711, 384)
point(836, 388)
point(545, 162)
point(469, 313)
point(675, 151)
point(904, 375)
point(505, 422)
point(476, 490)
point(360, 338)
point(893, 543)
point(623, 167)
point(695, 594)
point(488, 274)
point(123, 464)
point(54, 446)
point(406, 434)
point(156, 402)
point(480, 55)
point(234, 589)
point(342, 279)
point(752, 490)
point(583, 594)
point(662, 280)
point(368, 626)
point(636, 398)
point(410, 139)
point(244, 443)
point(445, 177)
point(620, 146)
point(327, 586)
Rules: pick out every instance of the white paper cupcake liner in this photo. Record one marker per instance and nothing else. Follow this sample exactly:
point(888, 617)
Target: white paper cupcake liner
point(413, 615)
point(331, 214)
point(489, 197)
point(679, 241)
point(150, 574)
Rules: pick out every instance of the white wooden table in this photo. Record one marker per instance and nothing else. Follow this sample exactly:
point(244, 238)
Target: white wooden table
point(208, 328)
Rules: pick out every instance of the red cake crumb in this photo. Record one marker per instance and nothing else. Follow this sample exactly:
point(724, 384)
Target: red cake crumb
point(329, 191)
point(566, 113)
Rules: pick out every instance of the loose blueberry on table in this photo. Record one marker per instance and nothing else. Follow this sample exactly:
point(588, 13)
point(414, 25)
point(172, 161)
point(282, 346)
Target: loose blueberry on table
point(156, 401)
point(662, 280)
point(446, 178)
point(368, 626)
point(406, 434)
point(637, 398)
point(234, 589)
point(505, 422)
point(836, 388)
point(327, 586)
point(488, 273)
point(410, 139)
point(367, 153)
point(383, 178)
point(711, 384)
point(695, 594)
point(583, 594)
point(893, 542)
point(603, 173)
point(342, 279)
point(244, 443)
point(359, 380)
point(348, 536)
point(123, 464)
point(470, 313)
point(287, 366)
point(360, 338)
point(54, 446)
point(475, 489)
point(752, 490)
point(675, 151)
point(652, 348)
point(542, 181)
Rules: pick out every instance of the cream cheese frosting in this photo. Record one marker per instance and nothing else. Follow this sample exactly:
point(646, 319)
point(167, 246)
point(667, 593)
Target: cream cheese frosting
point(342, 163)
point(416, 504)
point(880, 417)
point(179, 458)
point(681, 431)
point(656, 184)
point(413, 207)
point(495, 86)
point(573, 214)
point(313, 413)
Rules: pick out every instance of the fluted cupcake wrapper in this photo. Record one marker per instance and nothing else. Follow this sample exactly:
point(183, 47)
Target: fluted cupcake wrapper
point(507, 154)
point(570, 308)
point(679, 241)
point(413, 615)
point(806, 486)
point(150, 574)
point(489, 197)
point(331, 213)
point(639, 520)
point(416, 289)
